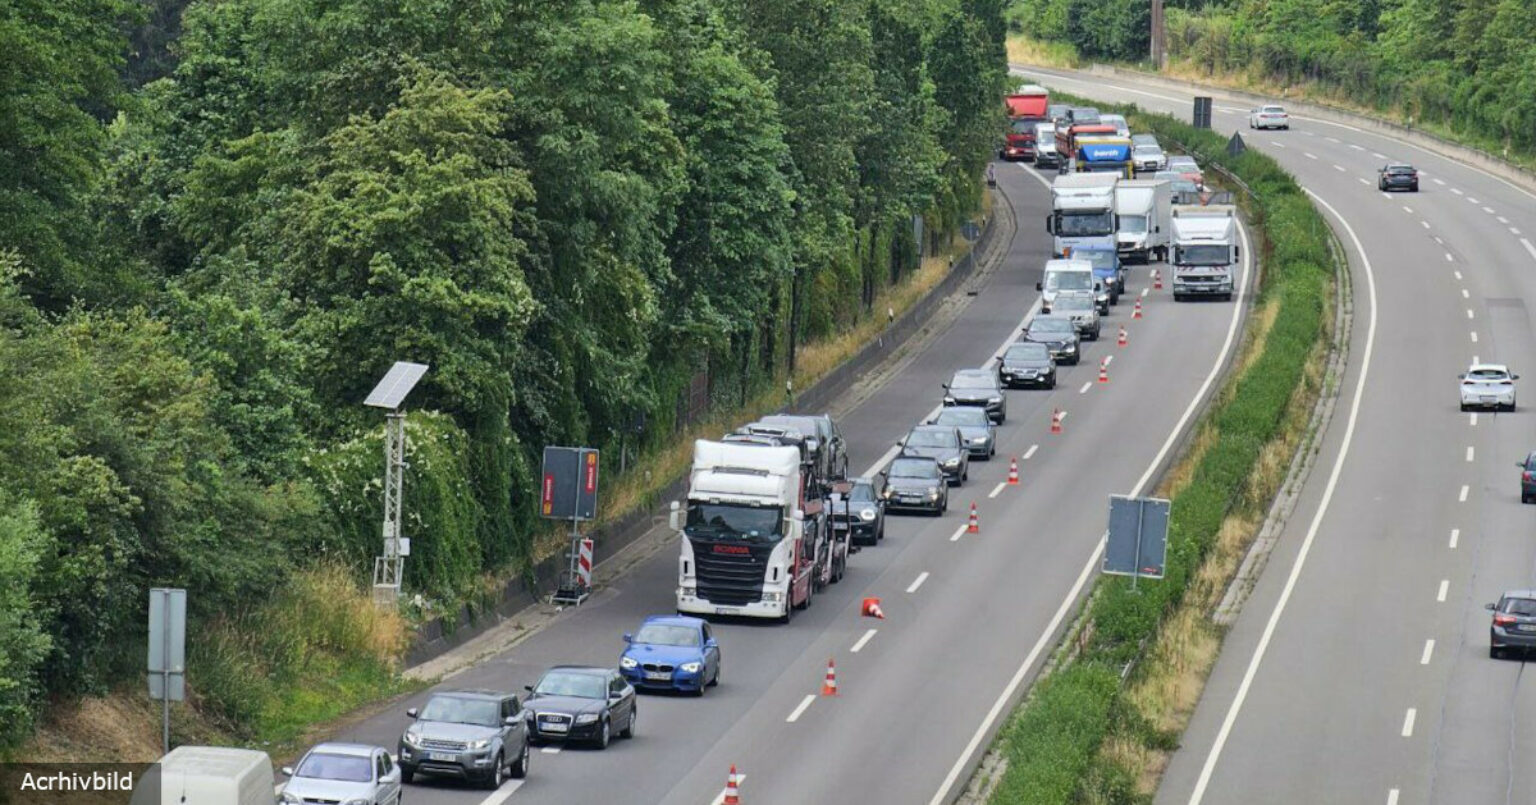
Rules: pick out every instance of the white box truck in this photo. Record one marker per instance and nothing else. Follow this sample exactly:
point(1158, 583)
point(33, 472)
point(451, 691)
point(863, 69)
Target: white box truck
point(745, 550)
point(209, 775)
point(1144, 208)
point(1204, 250)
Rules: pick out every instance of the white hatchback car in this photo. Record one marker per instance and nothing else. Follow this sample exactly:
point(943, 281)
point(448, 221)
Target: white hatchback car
point(1488, 385)
point(1269, 117)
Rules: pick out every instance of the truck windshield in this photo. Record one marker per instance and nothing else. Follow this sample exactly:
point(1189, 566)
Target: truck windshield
point(1069, 280)
point(752, 523)
point(1133, 224)
point(1213, 255)
point(1079, 224)
point(1024, 125)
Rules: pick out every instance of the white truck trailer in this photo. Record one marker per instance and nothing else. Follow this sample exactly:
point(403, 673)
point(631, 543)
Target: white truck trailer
point(1144, 208)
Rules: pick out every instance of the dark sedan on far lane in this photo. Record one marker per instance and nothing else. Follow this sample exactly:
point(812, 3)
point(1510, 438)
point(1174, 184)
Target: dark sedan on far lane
point(915, 482)
point(976, 428)
point(1027, 364)
point(580, 703)
point(1058, 334)
point(941, 443)
point(1397, 176)
point(977, 388)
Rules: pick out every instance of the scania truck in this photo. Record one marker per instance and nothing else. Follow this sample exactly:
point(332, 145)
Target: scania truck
point(1205, 250)
point(1144, 207)
point(745, 547)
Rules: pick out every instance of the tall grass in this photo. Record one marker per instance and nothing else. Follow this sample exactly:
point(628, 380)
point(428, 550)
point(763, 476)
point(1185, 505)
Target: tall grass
point(318, 649)
point(1063, 745)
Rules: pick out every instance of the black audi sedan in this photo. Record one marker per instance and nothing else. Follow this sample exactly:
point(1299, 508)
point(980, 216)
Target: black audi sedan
point(580, 703)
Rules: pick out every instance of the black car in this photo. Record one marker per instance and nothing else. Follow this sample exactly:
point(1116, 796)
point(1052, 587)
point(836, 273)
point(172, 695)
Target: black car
point(827, 441)
point(977, 387)
point(581, 703)
point(1397, 176)
point(943, 444)
point(915, 482)
point(478, 735)
point(1058, 335)
point(1528, 478)
point(1026, 364)
point(861, 511)
point(1056, 111)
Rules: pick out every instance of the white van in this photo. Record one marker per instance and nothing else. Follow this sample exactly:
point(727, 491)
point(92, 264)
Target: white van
point(1065, 275)
point(212, 775)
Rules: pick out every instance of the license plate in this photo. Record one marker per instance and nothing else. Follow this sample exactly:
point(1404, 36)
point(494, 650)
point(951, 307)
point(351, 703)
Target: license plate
point(1526, 627)
point(1488, 398)
point(660, 675)
point(443, 756)
point(727, 611)
point(554, 727)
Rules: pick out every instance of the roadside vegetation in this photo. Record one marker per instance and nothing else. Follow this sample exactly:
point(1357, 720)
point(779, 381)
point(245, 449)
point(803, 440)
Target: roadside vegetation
point(1097, 729)
point(1461, 69)
point(601, 222)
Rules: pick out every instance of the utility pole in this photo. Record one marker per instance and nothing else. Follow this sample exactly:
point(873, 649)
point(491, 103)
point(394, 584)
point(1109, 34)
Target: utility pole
point(1158, 43)
point(389, 394)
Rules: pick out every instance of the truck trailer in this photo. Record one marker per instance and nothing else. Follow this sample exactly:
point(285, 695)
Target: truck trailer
point(1205, 250)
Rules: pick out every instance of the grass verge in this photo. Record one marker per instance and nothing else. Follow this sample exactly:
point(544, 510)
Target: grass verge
point(1099, 728)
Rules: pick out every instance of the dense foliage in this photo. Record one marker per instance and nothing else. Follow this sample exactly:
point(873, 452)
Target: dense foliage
point(1468, 65)
point(1052, 742)
point(222, 220)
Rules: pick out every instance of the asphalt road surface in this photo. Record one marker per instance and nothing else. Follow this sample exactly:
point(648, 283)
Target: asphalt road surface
point(1359, 671)
point(968, 617)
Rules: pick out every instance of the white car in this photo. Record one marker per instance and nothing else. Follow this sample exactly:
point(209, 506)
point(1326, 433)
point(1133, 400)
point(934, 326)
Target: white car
point(1488, 385)
point(1149, 157)
point(344, 773)
point(1269, 117)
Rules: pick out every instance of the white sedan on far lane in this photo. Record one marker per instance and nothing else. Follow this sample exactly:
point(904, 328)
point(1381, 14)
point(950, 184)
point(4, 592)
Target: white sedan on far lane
point(1488, 385)
point(1269, 117)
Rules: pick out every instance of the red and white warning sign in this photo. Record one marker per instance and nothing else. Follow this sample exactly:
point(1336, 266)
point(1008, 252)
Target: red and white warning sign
point(584, 564)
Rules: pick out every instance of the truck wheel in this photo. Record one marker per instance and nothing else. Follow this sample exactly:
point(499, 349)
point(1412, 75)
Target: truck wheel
point(789, 613)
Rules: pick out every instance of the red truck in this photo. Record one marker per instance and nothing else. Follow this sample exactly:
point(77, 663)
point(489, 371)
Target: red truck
point(1026, 109)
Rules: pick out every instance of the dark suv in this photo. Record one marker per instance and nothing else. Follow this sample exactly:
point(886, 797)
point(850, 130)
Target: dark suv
point(1514, 623)
point(478, 735)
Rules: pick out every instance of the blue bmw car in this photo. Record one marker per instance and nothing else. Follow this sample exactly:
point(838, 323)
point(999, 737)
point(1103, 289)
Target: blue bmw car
point(671, 652)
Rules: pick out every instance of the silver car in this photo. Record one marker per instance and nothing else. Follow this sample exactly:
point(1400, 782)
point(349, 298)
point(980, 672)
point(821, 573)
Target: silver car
point(1488, 385)
point(344, 773)
point(976, 428)
point(1149, 157)
point(1082, 309)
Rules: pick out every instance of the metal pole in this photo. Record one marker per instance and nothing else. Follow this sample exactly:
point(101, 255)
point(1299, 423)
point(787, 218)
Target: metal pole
point(165, 674)
point(1157, 34)
point(1141, 509)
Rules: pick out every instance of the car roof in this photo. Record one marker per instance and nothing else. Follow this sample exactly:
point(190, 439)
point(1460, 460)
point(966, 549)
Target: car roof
point(345, 748)
point(1494, 367)
point(1519, 594)
point(1050, 317)
point(973, 373)
point(926, 427)
point(473, 694)
point(1391, 165)
point(582, 669)
point(674, 620)
point(1273, 106)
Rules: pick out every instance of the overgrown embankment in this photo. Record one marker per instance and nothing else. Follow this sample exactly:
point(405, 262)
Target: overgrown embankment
point(1093, 730)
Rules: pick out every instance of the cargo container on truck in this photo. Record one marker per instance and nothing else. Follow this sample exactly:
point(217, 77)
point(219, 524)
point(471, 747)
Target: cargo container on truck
point(1205, 250)
point(1026, 109)
point(219, 775)
point(1144, 207)
point(745, 548)
point(1104, 154)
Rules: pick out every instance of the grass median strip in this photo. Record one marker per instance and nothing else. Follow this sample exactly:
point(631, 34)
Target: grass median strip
point(1101, 726)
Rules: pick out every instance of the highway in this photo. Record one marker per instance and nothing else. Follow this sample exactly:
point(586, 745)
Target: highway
point(969, 617)
point(1358, 671)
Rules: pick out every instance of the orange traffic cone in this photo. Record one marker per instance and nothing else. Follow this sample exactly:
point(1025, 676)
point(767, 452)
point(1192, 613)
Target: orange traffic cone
point(1123, 340)
point(1104, 371)
point(1056, 421)
point(871, 608)
point(1136, 314)
point(1013, 471)
point(973, 527)
point(829, 687)
point(732, 795)
point(1157, 280)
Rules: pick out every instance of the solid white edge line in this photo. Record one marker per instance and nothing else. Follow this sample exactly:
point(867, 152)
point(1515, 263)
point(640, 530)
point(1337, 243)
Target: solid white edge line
point(1093, 559)
point(1445, 587)
point(503, 793)
point(1429, 651)
point(998, 490)
point(1455, 538)
point(1031, 451)
point(800, 708)
point(1528, 247)
point(1408, 719)
point(720, 797)
point(918, 582)
point(862, 641)
point(1317, 519)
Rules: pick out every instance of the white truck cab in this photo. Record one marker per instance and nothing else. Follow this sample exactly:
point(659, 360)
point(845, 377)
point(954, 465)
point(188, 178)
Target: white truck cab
point(1204, 250)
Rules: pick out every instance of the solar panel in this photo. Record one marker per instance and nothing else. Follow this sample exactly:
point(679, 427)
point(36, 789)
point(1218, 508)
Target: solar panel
point(391, 391)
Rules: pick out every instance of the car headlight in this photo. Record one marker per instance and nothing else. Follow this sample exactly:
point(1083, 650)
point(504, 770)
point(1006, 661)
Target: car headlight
point(887, 493)
point(687, 589)
point(1068, 347)
point(289, 798)
point(867, 514)
point(949, 400)
point(773, 598)
point(979, 440)
point(412, 736)
point(359, 801)
point(953, 462)
point(933, 493)
point(692, 667)
point(483, 743)
point(994, 400)
point(628, 662)
point(586, 718)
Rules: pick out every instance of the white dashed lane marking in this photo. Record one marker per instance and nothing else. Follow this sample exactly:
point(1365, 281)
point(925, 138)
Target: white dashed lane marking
point(1462, 498)
point(1429, 651)
point(1455, 538)
point(1408, 722)
point(793, 717)
point(862, 641)
point(921, 577)
point(1445, 587)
